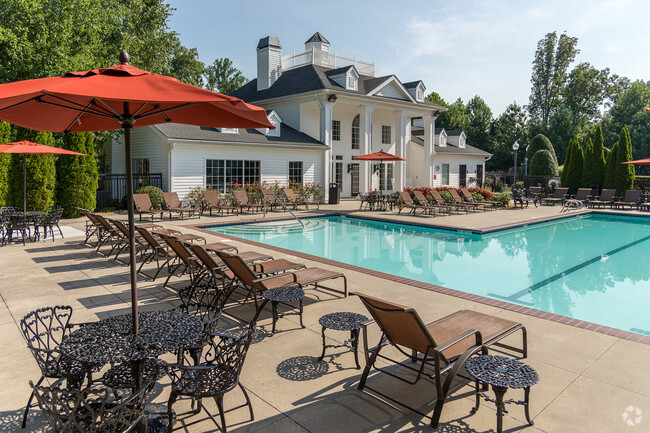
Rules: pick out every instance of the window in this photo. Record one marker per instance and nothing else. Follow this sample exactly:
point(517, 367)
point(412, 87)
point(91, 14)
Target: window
point(419, 96)
point(338, 170)
point(352, 82)
point(140, 166)
point(221, 174)
point(295, 172)
point(385, 134)
point(355, 132)
point(386, 176)
point(336, 130)
point(445, 174)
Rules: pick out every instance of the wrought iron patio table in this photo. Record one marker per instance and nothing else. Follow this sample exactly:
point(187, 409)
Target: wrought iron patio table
point(502, 373)
point(343, 321)
point(282, 295)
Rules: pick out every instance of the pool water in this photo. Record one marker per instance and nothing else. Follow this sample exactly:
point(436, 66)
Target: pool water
point(594, 268)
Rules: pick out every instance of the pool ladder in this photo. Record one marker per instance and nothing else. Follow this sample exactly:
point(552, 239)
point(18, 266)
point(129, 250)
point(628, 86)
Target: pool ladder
point(283, 205)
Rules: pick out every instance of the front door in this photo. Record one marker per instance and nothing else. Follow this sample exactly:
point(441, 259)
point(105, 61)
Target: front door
point(479, 175)
point(462, 181)
point(354, 172)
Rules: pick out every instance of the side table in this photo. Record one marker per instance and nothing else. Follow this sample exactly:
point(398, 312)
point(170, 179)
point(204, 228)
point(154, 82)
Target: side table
point(288, 293)
point(343, 321)
point(502, 373)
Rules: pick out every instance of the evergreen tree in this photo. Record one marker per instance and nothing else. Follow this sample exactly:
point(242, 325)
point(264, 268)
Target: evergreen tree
point(623, 173)
point(587, 167)
point(610, 165)
point(598, 164)
point(540, 142)
point(41, 173)
point(543, 163)
point(572, 171)
point(76, 176)
point(5, 163)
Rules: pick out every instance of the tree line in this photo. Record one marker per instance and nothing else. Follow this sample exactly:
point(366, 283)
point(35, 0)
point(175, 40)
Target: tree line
point(567, 105)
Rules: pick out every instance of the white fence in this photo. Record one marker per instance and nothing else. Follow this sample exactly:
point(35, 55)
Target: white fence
point(327, 59)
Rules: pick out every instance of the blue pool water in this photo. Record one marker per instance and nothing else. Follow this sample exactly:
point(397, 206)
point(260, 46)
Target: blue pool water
point(594, 268)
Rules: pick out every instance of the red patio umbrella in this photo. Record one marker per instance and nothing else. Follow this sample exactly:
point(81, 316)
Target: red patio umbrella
point(638, 161)
point(380, 156)
point(121, 97)
point(27, 147)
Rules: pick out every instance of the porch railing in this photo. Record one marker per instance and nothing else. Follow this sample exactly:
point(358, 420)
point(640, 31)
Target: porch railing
point(112, 188)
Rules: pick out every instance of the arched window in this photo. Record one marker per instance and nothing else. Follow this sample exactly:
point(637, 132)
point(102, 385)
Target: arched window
point(355, 132)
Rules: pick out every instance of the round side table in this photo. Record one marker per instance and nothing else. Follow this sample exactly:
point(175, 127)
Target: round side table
point(502, 373)
point(288, 293)
point(343, 321)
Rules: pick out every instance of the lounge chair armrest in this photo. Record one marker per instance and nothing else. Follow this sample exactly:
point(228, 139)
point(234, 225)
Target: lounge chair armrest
point(457, 339)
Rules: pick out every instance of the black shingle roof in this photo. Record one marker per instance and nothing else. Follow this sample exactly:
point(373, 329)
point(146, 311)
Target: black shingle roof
point(417, 137)
point(318, 38)
point(288, 135)
point(269, 41)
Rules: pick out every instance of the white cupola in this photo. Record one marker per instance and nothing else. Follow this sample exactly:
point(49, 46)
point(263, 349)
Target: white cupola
point(320, 47)
point(269, 62)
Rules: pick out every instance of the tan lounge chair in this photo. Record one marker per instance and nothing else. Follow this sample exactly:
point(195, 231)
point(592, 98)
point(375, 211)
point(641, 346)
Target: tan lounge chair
point(292, 199)
point(173, 204)
point(243, 201)
point(409, 203)
point(467, 195)
point(142, 205)
point(632, 198)
point(558, 197)
point(606, 198)
point(437, 197)
point(432, 207)
point(443, 345)
point(213, 200)
point(270, 199)
point(458, 200)
point(578, 201)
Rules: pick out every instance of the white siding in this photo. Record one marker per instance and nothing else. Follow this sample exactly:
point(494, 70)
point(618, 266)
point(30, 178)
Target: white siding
point(290, 114)
point(189, 162)
point(454, 162)
point(309, 119)
point(392, 90)
point(415, 175)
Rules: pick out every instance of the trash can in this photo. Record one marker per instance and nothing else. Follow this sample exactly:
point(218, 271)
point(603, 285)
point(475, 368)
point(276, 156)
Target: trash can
point(335, 193)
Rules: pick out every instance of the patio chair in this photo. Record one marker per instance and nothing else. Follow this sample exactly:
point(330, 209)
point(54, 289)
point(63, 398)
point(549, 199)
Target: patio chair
point(216, 374)
point(433, 207)
point(155, 251)
point(469, 197)
point(606, 198)
point(173, 204)
point(558, 197)
point(44, 329)
point(578, 201)
point(90, 410)
point(142, 205)
point(213, 200)
point(253, 283)
point(90, 228)
point(183, 262)
point(409, 203)
point(292, 198)
point(140, 245)
point(118, 240)
point(216, 269)
point(632, 198)
point(243, 202)
point(437, 197)
point(270, 200)
point(443, 345)
point(458, 200)
point(48, 222)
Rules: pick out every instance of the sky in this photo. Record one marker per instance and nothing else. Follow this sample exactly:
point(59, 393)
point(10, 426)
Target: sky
point(459, 49)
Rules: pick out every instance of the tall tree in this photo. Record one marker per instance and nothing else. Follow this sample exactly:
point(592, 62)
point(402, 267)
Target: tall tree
point(479, 117)
point(509, 127)
point(623, 173)
point(593, 172)
point(572, 171)
point(585, 91)
point(630, 102)
point(610, 167)
point(40, 173)
point(221, 76)
point(5, 161)
point(455, 118)
point(562, 127)
point(640, 136)
point(550, 66)
point(76, 176)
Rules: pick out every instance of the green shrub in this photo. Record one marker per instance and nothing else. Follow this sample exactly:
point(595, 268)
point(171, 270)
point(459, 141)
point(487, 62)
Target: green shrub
point(540, 142)
point(446, 195)
point(155, 195)
point(543, 163)
point(76, 176)
point(623, 173)
point(502, 197)
point(195, 197)
point(5, 162)
point(572, 172)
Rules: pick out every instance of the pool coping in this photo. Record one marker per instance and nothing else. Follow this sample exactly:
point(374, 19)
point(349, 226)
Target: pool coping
point(590, 326)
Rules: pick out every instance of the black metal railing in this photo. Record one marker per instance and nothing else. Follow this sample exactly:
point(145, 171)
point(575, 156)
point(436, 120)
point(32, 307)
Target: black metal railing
point(112, 188)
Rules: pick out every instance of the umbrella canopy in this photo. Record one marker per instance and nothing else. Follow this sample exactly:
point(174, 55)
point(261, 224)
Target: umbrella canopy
point(121, 97)
point(27, 147)
point(638, 162)
point(380, 156)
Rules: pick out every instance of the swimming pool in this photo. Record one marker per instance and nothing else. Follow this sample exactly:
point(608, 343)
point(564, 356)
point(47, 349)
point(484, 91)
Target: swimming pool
point(594, 268)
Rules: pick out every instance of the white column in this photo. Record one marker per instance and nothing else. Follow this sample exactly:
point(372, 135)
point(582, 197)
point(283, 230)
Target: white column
point(326, 108)
point(429, 137)
point(400, 149)
point(365, 132)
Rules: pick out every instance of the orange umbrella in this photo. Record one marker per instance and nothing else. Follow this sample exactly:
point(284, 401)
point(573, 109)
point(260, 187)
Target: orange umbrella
point(380, 156)
point(27, 147)
point(121, 97)
point(638, 161)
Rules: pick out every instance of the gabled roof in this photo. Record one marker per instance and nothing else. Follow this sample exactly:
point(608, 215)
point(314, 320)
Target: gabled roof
point(311, 78)
point(318, 38)
point(288, 135)
point(456, 132)
point(417, 137)
point(412, 84)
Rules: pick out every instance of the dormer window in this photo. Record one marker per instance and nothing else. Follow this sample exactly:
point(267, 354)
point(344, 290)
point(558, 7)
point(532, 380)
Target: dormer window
point(352, 82)
point(419, 96)
point(275, 120)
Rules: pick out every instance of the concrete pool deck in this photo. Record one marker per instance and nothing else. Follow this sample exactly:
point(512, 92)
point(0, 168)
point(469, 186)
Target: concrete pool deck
point(589, 381)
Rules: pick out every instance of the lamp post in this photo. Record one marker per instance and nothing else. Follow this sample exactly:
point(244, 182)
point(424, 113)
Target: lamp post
point(515, 147)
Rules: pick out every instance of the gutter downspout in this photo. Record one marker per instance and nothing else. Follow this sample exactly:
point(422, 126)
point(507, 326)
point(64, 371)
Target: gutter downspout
point(170, 165)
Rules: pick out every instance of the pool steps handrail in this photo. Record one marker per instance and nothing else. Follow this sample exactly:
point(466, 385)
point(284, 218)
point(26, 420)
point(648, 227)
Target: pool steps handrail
point(283, 205)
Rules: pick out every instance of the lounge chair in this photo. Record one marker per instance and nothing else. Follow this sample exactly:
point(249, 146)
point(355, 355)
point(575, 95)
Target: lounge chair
point(173, 204)
point(253, 283)
point(155, 251)
point(443, 345)
point(243, 202)
point(213, 200)
point(183, 262)
point(467, 195)
point(270, 199)
point(578, 201)
point(142, 205)
point(216, 269)
point(558, 197)
point(632, 198)
point(292, 199)
point(606, 198)
point(452, 206)
point(409, 203)
point(419, 195)
point(458, 200)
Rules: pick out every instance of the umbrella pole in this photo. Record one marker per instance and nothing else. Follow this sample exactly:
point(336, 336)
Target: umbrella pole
point(25, 197)
point(129, 203)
